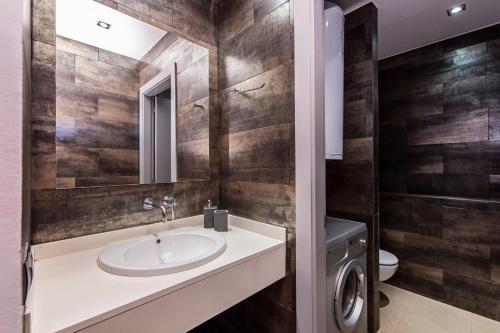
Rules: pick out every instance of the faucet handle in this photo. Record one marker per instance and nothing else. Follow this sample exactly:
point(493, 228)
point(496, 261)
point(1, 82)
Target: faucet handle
point(169, 201)
point(148, 204)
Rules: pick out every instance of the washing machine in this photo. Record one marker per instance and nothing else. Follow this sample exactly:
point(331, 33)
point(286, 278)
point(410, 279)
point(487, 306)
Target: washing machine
point(346, 245)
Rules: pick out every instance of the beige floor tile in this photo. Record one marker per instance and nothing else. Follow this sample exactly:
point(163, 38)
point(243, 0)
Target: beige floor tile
point(391, 315)
point(484, 325)
point(411, 313)
point(429, 316)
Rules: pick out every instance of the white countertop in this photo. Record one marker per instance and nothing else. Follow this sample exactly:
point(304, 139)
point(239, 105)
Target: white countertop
point(71, 292)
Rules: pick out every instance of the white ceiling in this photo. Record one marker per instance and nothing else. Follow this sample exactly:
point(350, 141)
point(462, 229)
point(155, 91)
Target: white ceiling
point(77, 19)
point(408, 24)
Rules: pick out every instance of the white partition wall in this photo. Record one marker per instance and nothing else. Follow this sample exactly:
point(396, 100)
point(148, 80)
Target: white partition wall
point(310, 166)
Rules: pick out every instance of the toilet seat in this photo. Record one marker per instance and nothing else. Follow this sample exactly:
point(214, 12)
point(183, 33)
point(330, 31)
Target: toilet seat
point(387, 258)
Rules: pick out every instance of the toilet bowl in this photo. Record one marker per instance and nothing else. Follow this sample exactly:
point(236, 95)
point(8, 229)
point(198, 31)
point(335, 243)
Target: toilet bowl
point(388, 264)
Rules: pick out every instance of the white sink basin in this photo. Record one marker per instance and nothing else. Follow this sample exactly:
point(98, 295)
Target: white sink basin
point(163, 253)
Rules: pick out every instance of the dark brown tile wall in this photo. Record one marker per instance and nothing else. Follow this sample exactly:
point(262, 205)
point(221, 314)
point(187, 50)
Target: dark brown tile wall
point(439, 167)
point(43, 99)
point(67, 213)
point(97, 116)
point(257, 144)
point(193, 129)
point(352, 183)
point(106, 208)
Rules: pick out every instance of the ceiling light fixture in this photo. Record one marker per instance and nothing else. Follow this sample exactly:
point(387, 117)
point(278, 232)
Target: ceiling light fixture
point(104, 25)
point(456, 9)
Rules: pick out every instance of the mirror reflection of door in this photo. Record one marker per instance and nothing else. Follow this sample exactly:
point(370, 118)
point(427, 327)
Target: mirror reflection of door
point(157, 129)
point(162, 137)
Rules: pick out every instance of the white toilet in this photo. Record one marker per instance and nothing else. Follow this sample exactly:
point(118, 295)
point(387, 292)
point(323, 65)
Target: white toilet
point(388, 264)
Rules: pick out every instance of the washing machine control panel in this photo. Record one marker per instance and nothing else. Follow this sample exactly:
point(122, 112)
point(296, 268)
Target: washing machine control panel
point(358, 244)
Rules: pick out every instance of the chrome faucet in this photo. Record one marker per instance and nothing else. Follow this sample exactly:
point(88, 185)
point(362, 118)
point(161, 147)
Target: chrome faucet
point(168, 203)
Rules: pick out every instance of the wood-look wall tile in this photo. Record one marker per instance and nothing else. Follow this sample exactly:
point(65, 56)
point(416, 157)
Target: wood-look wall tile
point(118, 60)
point(43, 78)
point(43, 21)
point(43, 135)
point(203, 27)
point(118, 109)
point(104, 181)
point(180, 51)
point(119, 161)
point(456, 127)
point(156, 10)
point(193, 159)
point(65, 68)
point(427, 159)
point(65, 213)
point(65, 128)
point(411, 214)
point(471, 260)
point(472, 295)
point(472, 186)
point(158, 49)
point(492, 88)
point(76, 48)
point(358, 119)
point(466, 62)
point(472, 38)
point(236, 16)
point(425, 101)
point(269, 203)
point(493, 56)
point(354, 182)
point(472, 223)
point(261, 47)
point(118, 135)
point(76, 161)
point(421, 183)
point(193, 122)
point(392, 240)
point(466, 158)
point(192, 83)
point(271, 105)
point(422, 279)
point(494, 124)
point(256, 154)
point(495, 264)
point(468, 94)
point(192, 196)
point(76, 101)
point(106, 77)
point(43, 171)
point(65, 182)
point(356, 47)
point(199, 52)
point(118, 80)
point(495, 186)
point(462, 248)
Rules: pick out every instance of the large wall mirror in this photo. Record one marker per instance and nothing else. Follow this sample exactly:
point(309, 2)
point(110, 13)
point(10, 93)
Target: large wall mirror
point(131, 100)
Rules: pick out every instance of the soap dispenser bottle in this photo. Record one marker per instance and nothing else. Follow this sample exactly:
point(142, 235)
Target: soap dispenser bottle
point(208, 215)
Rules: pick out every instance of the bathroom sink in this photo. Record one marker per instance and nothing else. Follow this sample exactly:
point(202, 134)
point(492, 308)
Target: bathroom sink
point(163, 253)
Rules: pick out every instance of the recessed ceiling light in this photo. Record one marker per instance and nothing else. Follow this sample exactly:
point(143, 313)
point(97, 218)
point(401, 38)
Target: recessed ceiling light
point(104, 25)
point(456, 9)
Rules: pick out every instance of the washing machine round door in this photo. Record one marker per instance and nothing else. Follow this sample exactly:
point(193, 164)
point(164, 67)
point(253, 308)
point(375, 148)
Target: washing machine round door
point(350, 296)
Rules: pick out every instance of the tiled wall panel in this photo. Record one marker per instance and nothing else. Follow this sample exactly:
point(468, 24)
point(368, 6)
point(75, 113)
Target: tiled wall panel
point(97, 116)
point(439, 169)
point(257, 144)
